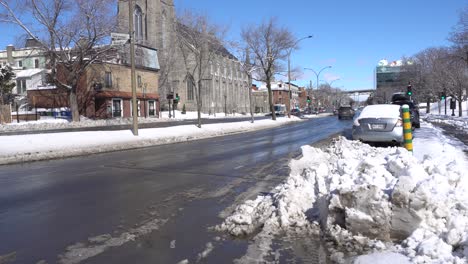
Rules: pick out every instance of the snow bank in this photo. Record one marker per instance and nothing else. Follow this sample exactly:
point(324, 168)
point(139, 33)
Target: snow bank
point(367, 200)
point(458, 122)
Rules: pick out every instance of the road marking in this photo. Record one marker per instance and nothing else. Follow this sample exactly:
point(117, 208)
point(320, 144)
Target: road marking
point(238, 167)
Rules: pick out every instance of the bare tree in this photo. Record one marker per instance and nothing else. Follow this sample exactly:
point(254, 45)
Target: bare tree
point(456, 79)
point(437, 71)
point(72, 34)
point(459, 35)
point(269, 44)
point(199, 42)
point(423, 67)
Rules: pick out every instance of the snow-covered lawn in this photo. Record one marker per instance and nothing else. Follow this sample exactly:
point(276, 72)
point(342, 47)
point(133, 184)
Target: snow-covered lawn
point(48, 123)
point(372, 204)
point(436, 116)
point(23, 148)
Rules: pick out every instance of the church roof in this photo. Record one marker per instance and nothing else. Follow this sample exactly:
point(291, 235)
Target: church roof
point(191, 35)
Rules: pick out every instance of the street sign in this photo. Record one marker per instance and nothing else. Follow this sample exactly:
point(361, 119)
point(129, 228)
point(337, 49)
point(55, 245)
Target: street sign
point(119, 38)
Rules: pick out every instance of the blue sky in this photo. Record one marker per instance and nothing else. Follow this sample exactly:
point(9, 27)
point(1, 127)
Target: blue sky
point(351, 36)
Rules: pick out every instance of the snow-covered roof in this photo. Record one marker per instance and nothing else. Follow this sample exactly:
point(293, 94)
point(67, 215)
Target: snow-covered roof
point(43, 87)
point(278, 86)
point(28, 73)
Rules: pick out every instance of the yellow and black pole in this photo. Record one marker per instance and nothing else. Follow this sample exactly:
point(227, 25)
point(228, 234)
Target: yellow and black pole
point(407, 131)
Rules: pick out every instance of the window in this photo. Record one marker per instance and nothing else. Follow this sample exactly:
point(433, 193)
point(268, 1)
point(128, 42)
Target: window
point(139, 81)
point(151, 108)
point(36, 63)
point(116, 107)
point(20, 86)
point(138, 23)
point(190, 89)
point(108, 79)
point(20, 64)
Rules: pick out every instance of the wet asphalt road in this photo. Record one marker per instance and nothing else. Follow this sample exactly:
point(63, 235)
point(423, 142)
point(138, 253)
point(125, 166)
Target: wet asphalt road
point(151, 205)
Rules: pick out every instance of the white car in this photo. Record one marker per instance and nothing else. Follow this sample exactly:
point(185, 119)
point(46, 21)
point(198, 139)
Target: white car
point(379, 123)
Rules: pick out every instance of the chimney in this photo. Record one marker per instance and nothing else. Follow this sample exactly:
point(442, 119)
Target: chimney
point(10, 48)
point(32, 43)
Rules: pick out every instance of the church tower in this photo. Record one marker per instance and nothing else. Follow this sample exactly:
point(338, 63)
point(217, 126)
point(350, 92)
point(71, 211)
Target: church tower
point(153, 22)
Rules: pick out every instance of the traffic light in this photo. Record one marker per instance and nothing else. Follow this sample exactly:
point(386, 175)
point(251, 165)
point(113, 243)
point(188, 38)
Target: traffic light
point(176, 99)
point(409, 90)
point(308, 99)
point(442, 95)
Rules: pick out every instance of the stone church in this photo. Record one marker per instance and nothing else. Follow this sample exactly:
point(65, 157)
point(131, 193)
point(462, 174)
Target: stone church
point(225, 88)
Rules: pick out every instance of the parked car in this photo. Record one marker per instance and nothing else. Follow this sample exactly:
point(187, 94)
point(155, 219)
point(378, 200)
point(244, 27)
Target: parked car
point(379, 123)
point(414, 111)
point(401, 96)
point(296, 112)
point(346, 112)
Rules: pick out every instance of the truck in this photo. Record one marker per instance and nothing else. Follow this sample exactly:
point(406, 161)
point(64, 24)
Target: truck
point(280, 109)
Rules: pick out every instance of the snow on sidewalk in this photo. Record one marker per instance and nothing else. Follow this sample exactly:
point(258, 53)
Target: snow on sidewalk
point(23, 148)
point(383, 202)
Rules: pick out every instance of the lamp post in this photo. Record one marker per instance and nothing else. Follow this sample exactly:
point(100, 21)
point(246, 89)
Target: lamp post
point(289, 72)
point(132, 62)
point(333, 82)
point(317, 75)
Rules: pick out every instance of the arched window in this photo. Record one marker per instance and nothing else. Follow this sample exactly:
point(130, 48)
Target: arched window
point(138, 23)
point(190, 88)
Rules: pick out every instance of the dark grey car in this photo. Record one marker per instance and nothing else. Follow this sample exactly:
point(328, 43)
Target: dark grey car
point(414, 111)
point(346, 112)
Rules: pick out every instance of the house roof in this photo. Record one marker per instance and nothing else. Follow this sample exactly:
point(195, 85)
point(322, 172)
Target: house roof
point(278, 86)
point(28, 73)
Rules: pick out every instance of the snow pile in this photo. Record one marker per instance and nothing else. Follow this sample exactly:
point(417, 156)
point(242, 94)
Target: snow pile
point(458, 122)
point(367, 200)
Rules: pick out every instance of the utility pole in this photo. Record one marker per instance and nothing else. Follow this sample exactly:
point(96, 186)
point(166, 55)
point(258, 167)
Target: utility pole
point(132, 62)
point(249, 69)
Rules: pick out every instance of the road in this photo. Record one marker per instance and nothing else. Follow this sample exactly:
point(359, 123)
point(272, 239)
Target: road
point(151, 205)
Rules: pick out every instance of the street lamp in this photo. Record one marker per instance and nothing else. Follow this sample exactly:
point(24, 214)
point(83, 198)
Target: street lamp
point(333, 81)
point(289, 72)
point(318, 74)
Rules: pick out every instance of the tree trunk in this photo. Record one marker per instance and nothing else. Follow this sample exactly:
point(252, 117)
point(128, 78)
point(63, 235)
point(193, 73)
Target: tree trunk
point(460, 110)
point(74, 106)
point(199, 103)
point(250, 97)
point(428, 105)
point(270, 100)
